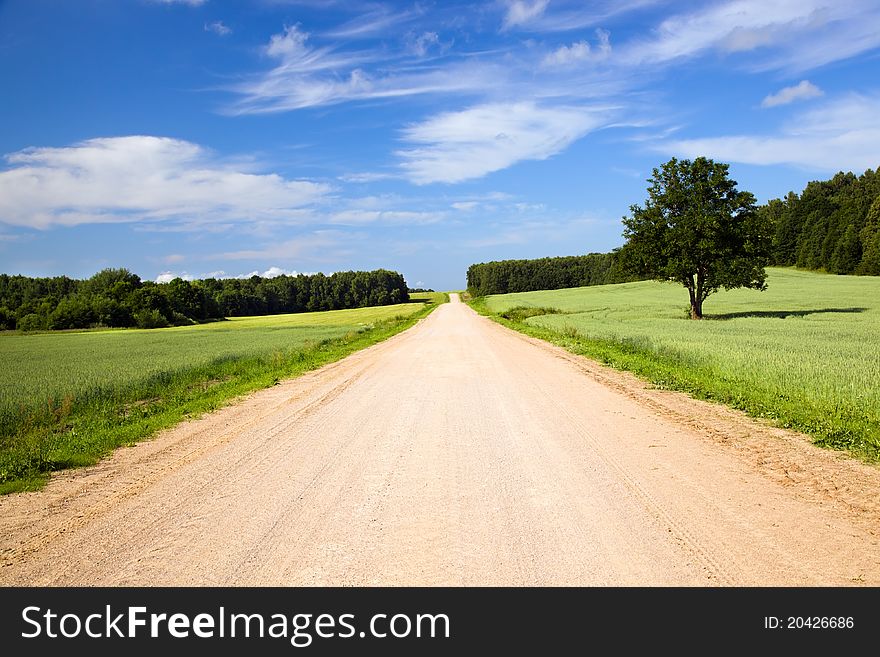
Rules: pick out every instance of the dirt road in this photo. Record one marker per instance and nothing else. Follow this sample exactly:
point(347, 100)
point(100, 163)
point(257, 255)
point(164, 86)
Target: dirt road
point(456, 453)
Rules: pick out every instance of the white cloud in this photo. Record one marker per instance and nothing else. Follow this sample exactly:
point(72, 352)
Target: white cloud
point(804, 90)
point(420, 45)
point(580, 51)
point(316, 246)
point(794, 34)
point(312, 76)
point(573, 15)
point(274, 272)
point(168, 276)
point(456, 146)
point(842, 135)
point(376, 22)
point(553, 80)
point(366, 177)
point(271, 272)
point(522, 12)
point(142, 178)
point(218, 28)
point(556, 234)
point(316, 70)
point(288, 44)
point(392, 217)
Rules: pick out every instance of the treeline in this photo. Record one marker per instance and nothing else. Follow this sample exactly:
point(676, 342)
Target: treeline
point(119, 298)
point(833, 225)
point(503, 276)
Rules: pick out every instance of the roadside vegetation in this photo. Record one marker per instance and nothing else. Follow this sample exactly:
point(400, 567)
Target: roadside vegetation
point(803, 354)
point(67, 399)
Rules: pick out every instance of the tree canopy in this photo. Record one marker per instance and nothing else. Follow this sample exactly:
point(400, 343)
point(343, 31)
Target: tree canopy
point(832, 225)
point(699, 230)
point(119, 298)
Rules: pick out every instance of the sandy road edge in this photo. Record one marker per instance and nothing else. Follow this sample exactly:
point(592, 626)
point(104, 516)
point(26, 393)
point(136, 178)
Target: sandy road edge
point(74, 497)
point(812, 473)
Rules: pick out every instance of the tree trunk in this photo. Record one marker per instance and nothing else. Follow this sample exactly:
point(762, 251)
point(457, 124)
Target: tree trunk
point(696, 293)
point(697, 298)
point(696, 304)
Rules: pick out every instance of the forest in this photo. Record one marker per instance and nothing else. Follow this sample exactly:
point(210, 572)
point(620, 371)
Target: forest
point(119, 298)
point(503, 276)
point(832, 225)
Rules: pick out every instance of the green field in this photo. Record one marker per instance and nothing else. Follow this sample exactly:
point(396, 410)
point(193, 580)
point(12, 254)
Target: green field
point(805, 353)
point(67, 398)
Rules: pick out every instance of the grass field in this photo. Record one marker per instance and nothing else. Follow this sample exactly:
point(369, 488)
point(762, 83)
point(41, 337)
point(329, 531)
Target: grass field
point(805, 353)
point(68, 398)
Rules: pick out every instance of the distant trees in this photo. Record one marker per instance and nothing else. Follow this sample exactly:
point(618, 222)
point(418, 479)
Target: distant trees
point(699, 230)
point(870, 241)
point(832, 225)
point(503, 276)
point(119, 298)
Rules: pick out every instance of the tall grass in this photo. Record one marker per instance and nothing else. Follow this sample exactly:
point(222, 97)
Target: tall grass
point(67, 399)
point(805, 353)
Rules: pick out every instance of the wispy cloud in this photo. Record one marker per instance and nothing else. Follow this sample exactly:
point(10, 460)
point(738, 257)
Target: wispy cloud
point(142, 178)
point(312, 76)
point(530, 99)
point(376, 21)
point(841, 135)
point(568, 16)
point(804, 90)
point(419, 45)
point(366, 177)
point(485, 203)
point(796, 35)
point(523, 12)
point(456, 146)
point(580, 51)
point(537, 229)
point(218, 28)
point(389, 217)
point(317, 246)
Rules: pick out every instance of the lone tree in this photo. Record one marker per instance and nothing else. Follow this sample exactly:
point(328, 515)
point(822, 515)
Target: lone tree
point(697, 229)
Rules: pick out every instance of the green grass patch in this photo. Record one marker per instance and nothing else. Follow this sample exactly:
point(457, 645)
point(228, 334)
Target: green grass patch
point(803, 354)
point(522, 313)
point(66, 400)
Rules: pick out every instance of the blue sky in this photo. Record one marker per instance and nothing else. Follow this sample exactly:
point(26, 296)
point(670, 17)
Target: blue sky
point(211, 137)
